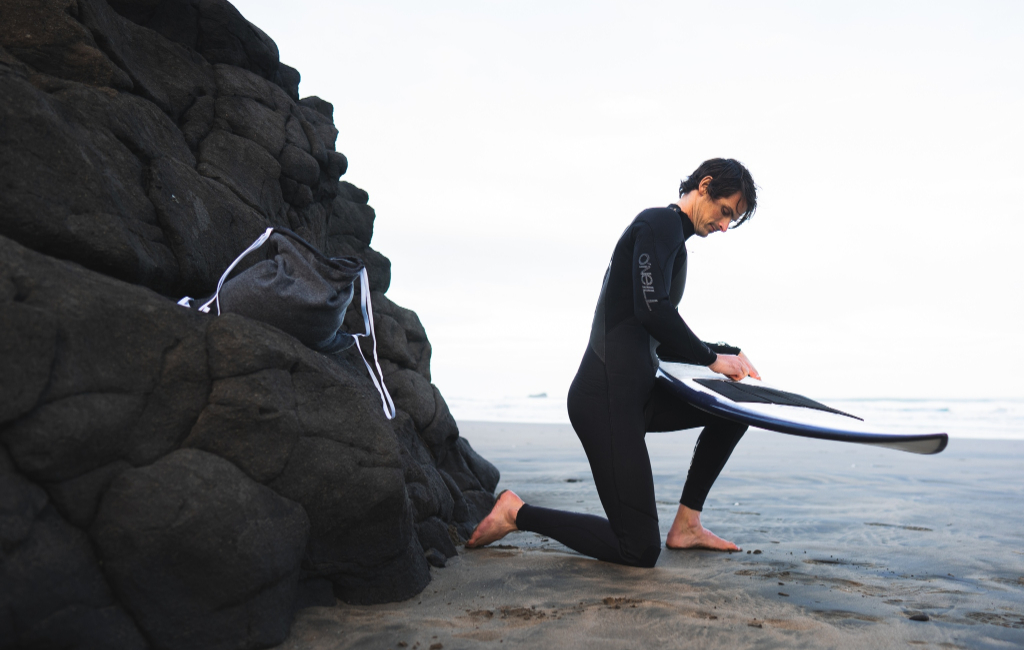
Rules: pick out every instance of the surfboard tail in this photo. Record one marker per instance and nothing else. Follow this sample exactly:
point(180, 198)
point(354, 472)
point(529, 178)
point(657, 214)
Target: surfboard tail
point(927, 444)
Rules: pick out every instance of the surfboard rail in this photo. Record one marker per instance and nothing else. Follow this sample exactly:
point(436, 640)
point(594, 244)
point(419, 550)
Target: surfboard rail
point(682, 379)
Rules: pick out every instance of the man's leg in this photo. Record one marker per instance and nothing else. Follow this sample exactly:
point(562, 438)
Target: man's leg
point(713, 449)
point(613, 438)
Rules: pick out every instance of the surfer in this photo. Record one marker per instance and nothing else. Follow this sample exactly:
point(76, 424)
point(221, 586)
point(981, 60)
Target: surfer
point(615, 398)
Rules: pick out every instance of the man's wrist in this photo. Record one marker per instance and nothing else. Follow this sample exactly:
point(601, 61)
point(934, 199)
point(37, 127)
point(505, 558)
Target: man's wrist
point(723, 348)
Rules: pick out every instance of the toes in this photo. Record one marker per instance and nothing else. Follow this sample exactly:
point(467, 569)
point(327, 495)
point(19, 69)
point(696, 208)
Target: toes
point(474, 542)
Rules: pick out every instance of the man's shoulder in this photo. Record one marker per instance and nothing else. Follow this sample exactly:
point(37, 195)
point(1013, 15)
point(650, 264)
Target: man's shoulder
point(665, 222)
point(661, 229)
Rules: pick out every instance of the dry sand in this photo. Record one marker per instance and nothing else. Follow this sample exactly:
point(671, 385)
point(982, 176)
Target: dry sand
point(846, 543)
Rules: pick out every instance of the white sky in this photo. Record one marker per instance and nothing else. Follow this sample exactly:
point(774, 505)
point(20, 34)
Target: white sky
point(505, 146)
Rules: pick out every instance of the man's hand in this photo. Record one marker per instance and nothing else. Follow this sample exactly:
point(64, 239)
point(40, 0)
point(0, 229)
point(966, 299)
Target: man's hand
point(735, 367)
point(751, 370)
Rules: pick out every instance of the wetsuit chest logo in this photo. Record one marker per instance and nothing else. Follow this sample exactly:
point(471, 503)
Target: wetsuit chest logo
point(647, 280)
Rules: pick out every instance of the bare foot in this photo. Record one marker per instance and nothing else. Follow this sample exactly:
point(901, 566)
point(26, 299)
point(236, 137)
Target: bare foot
point(687, 532)
point(499, 523)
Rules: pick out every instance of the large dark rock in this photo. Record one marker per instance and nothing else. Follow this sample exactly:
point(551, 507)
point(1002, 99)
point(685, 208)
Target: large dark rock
point(439, 436)
point(28, 349)
point(299, 166)
point(204, 221)
point(362, 535)
point(482, 469)
point(127, 387)
point(224, 473)
point(217, 31)
point(54, 595)
point(253, 121)
point(165, 73)
point(411, 348)
point(426, 488)
point(79, 498)
point(436, 534)
point(73, 186)
point(252, 421)
point(414, 395)
point(246, 169)
point(202, 556)
point(285, 415)
point(45, 34)
point(351, 218)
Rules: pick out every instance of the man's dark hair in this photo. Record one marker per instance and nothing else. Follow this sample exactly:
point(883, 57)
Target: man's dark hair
point(728, 176)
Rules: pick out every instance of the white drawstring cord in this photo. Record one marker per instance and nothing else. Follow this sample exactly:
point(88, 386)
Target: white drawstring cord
point(216, 296)
point(367, 307)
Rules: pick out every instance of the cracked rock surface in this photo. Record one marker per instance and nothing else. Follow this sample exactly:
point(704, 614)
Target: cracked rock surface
point(171, 479)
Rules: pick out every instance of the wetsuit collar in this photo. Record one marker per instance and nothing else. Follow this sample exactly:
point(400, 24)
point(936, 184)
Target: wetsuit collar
point(688, 229)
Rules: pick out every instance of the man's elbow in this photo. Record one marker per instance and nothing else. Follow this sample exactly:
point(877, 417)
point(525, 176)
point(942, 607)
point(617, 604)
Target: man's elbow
point(648, 311)
point(646, 318)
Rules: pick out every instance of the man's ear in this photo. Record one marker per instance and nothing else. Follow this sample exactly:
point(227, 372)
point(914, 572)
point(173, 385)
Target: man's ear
point(702, 187)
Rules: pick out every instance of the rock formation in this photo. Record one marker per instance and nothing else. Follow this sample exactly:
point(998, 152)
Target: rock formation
point(171, 479)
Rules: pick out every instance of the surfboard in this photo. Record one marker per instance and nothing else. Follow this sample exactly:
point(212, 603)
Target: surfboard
point(756, 404)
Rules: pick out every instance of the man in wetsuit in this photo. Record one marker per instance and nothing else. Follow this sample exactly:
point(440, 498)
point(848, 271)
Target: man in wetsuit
point(615, 398)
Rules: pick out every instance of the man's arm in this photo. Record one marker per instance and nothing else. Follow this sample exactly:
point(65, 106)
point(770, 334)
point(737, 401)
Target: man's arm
point(651, 304)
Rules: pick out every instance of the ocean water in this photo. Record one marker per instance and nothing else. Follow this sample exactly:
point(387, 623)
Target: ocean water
point(992, 419)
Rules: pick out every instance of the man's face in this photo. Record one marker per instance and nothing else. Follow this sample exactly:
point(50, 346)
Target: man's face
point(715, 215)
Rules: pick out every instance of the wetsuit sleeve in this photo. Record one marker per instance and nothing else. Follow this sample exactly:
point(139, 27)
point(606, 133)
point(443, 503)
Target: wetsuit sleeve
point(652, 279)
point(722, 348)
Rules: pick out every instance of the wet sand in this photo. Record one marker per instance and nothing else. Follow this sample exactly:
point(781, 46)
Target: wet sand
point(842, 546)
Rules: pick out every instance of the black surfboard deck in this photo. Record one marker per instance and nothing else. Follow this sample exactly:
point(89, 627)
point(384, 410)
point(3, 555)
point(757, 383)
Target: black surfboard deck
point(753, 403)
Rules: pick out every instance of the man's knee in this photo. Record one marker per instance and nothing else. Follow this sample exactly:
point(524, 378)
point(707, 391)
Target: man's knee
point(641, 546)
point(649, 557)
point(727, 431)
point(729, 427)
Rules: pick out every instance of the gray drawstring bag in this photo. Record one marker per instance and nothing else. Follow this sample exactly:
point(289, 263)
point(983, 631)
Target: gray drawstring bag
point(300, 291)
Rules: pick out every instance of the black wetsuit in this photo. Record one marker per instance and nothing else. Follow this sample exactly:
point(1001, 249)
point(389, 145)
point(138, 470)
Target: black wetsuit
point(615, 399)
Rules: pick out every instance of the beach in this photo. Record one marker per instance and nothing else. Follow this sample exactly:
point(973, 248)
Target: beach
point(844, 546)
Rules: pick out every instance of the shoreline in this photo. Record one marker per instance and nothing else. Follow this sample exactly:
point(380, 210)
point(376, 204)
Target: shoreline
point(974, 419)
